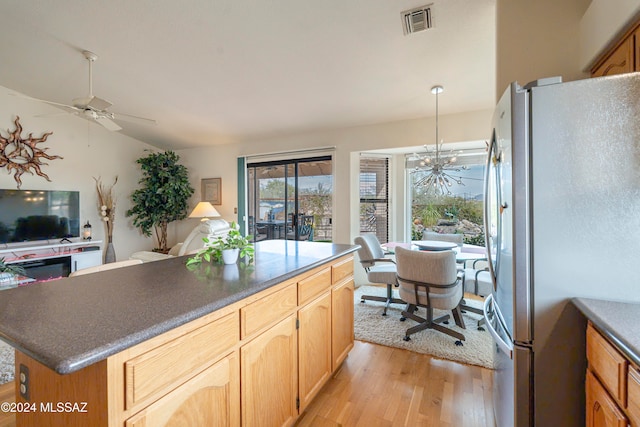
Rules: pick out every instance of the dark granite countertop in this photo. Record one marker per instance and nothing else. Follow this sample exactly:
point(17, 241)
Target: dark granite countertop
point(74, 322)
point(618, 321)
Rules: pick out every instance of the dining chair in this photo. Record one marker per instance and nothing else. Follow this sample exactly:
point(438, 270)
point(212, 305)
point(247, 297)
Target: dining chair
point(430, 280)
point(444, 237)
point(477, 281)
point(378, 268)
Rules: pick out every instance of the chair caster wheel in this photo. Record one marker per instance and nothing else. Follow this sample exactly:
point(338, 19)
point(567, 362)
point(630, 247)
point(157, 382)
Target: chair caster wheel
point(481, 329)
point(446, 322)
point(459, 343)
point(361, 301)
point(407, 338)
point(402, 319)
point(384, 314)
point(463, 311)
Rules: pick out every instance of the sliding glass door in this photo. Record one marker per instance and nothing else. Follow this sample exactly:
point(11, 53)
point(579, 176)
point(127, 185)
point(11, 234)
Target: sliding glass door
point(290, 199)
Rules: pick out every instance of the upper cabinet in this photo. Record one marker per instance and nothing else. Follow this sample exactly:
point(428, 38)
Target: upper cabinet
point(624, 57)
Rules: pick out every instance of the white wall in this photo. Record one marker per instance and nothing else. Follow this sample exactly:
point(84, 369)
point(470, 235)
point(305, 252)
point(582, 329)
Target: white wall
point(544, 38)
point(602, 24)
point(221, 161)
point(88, 151)
point(537, 39)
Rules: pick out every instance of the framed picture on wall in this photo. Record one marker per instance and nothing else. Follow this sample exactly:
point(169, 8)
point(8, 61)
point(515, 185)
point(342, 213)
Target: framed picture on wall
point(212, 191)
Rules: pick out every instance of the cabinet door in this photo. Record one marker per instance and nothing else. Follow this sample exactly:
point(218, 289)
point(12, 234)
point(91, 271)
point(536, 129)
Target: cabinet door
point(211, 398)
point(633, 399)
point(619, 61)
point(342, 322)
point(85, 259)
point(636, 45)
point(601, 409)
point(314, 347)
point(269, 379)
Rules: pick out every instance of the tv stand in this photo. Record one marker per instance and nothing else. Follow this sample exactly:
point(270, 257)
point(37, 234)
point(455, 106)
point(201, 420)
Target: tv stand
point(76, 255)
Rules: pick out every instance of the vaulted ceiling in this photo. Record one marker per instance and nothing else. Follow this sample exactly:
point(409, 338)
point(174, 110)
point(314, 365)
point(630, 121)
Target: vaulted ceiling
point(218, 71)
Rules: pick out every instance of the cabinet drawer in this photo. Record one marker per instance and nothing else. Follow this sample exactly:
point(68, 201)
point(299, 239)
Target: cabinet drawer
point(607, 364)
point(601, 409)
point(341, 269)
point(267, 310)
point(633, 400)
point(212, 398)
point(314, 285)
point(158, 371)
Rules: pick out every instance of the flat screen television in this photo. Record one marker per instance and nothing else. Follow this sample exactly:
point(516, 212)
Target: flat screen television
point(29, 215)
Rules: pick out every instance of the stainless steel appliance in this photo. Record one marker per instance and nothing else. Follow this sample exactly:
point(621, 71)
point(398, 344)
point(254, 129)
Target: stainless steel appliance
point(562, 214)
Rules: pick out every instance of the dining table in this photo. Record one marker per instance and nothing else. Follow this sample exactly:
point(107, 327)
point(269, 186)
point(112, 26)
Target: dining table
point(464, 253)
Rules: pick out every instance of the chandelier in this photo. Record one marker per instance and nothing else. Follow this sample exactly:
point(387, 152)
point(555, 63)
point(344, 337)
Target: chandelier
point(436, 170)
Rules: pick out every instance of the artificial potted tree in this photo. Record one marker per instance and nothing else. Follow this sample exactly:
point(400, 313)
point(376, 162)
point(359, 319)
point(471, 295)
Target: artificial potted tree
point(163, 196)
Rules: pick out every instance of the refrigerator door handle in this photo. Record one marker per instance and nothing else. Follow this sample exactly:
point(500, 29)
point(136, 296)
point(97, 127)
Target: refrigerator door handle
point(487, 208)
point(490, 309)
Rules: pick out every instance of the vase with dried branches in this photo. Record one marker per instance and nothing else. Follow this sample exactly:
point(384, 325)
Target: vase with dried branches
point(107, 209)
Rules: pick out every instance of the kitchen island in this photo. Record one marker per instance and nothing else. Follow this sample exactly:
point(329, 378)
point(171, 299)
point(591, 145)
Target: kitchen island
point(160, 344)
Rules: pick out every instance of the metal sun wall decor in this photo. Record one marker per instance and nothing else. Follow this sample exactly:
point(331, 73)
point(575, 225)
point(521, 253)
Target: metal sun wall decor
point(22, 155)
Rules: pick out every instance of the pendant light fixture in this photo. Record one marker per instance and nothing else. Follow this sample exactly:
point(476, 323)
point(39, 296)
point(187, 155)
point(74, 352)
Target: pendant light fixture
point(437, 170)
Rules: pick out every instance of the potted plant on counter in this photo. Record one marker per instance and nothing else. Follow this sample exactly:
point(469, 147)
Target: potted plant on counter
point(226, 249)
point(8, 272)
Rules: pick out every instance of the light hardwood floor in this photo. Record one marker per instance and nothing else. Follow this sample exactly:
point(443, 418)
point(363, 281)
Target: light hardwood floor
point(384, 386)
point(7, 394)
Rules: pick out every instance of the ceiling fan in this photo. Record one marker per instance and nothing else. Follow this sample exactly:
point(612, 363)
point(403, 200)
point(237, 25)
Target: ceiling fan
point(95, 108)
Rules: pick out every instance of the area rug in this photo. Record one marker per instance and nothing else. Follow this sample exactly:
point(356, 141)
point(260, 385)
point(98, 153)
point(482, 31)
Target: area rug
point(371, 326)
point(7, 360)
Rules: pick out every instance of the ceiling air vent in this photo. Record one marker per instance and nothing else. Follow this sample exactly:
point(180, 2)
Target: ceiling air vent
point(415, 20)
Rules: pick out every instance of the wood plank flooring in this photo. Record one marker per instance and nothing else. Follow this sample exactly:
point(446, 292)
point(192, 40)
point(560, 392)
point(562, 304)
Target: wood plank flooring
point(384, 386)
point(7, 394)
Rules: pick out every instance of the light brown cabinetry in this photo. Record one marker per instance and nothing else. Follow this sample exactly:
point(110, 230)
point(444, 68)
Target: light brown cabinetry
point(602, 411)
point(314, 343)
point(256, 362)
point(612, 385)
point(624, 57)
point(342, 334)
point(211, 398)
point(269, 376)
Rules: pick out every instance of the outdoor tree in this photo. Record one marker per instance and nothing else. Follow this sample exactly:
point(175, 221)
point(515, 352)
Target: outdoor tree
point(273, 188)
point(316, 200)
point(163, 196)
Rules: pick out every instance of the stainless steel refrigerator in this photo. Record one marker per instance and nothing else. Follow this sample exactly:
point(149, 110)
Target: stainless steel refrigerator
point(562, 214)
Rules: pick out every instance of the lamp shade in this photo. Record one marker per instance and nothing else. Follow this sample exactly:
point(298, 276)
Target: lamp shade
point(203, 210)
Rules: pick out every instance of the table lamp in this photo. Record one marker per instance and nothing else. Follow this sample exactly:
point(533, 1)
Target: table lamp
point(203, 210)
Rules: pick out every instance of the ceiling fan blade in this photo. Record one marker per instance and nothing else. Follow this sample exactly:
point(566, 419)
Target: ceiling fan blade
point(96, 103)
point(63, 113)
point(107, 123)
point(134, 119)
point(57, 104)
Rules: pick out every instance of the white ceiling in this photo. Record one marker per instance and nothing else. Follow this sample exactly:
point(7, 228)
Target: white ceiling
point(218, 71)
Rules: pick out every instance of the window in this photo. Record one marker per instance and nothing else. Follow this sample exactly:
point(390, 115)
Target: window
point(374, 196)
point(461, 211)
point(290, 199)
